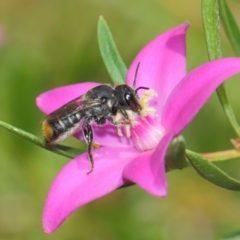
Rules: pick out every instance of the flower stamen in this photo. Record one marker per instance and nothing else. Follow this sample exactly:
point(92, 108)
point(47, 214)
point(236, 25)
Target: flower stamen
point(144, 103)
point(144, 128)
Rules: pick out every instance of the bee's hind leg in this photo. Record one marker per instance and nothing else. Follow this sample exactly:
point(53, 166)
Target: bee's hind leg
point(88, 137)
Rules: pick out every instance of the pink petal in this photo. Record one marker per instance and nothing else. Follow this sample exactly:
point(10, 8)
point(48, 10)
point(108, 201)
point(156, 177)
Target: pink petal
point(55, 98)
point(162, 64)
point(194, 90)
point(148, 169)
point(73, 187)
point(147, 134)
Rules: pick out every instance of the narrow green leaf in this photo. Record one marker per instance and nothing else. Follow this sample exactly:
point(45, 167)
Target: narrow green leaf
point(230, 26)
point(222, 96)
point(58, 149)
point(210, 14)
point(175, 156)
point(66, 151)
point(211, 172)
point(111, 57)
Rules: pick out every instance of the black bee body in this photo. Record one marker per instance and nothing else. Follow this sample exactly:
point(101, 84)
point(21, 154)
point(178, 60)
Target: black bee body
point(100, 104)
point(66, 120)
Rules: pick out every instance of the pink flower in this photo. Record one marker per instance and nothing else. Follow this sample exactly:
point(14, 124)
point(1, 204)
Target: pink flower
point(139, 159)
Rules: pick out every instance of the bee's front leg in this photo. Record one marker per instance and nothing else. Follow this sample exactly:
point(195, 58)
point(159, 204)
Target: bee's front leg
point(117, 123)
point(88, 137)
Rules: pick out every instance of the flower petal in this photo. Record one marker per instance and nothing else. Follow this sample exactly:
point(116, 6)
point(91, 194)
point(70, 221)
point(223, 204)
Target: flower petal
point(148, 169)
point(194, 90)
point(55, 98)
point(162, 64)
point(73, 187)
point(147, 133)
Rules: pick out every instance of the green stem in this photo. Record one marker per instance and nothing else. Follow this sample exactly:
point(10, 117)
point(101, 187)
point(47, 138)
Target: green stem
point(222, 96)
point(73, 152)
point(221, 155)
point(230, 26)
point(58, 149)
point(210, 14)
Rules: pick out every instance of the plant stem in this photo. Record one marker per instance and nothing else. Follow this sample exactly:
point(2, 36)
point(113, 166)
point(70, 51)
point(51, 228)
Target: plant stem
point(58, 149)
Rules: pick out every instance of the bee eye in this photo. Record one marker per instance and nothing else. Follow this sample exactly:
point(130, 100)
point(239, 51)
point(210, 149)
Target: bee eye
point(132, 102)
point(127, 98)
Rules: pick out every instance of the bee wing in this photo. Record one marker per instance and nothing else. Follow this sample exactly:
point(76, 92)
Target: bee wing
point(76, 105)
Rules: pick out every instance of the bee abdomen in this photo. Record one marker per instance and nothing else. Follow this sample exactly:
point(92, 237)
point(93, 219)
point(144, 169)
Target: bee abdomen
point(58, 130)
point(48, 131)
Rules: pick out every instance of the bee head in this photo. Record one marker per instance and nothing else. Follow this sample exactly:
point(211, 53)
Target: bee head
point(128, 98)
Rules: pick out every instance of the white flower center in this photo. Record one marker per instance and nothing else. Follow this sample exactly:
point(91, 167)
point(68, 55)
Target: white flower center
point(147, 133)
point(144, 129)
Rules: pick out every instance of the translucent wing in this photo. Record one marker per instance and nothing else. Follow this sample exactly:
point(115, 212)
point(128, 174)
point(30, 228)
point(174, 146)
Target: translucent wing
point(77, 105)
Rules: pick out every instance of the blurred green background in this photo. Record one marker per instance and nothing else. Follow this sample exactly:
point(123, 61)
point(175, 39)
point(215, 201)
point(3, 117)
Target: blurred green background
point(46, 44)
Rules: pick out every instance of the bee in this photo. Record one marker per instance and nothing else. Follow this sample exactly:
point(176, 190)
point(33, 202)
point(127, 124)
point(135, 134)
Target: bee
point(99, 104)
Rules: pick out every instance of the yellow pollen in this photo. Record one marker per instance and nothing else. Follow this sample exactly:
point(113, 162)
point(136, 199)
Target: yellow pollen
point(145, 110)
point(144, 100)
point(96, 145)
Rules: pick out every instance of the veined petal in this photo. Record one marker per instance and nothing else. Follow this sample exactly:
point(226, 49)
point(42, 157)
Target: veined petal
point(148, 169)
point(162, 64)
point(194, 90)
point(147, 134)
point(55, 98)
point(73, 187)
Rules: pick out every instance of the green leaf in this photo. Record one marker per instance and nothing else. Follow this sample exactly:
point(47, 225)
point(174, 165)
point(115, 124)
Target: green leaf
point(210, 15)
point(66, 151)
point(230, 26)
point(175, 156)
point(111, 57)
point(58, 149)
point(212, 173)
point(222, 96)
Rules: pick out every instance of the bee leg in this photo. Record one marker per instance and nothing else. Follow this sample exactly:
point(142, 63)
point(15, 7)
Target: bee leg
point(117, 123)
point(124, 113)
point(88, 137)
point(100, 121)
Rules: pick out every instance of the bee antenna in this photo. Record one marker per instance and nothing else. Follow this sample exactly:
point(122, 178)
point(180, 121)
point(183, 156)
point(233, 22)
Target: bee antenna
point(135, 77)
point(141, 88)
